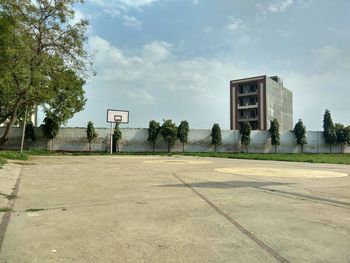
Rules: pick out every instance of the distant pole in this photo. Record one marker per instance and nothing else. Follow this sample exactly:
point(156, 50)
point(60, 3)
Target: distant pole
point(111, 139)
point(24, 129)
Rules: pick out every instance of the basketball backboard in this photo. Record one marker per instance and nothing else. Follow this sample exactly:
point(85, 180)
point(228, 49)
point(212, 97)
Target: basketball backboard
point(117, 116)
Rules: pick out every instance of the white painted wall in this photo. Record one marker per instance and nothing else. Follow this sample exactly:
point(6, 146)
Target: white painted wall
point(135, 140)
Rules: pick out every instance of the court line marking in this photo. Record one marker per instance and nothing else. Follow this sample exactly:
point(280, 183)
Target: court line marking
point(243, 230)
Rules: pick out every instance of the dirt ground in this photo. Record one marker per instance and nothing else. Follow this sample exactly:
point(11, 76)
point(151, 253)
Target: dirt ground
point(177, 209)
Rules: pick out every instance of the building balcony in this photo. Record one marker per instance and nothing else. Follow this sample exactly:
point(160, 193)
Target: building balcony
point(247, 106)
point(255, 93)
point(247, 118)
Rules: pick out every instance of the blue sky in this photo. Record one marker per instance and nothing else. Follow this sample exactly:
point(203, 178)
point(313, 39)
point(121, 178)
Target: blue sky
point(174, 58)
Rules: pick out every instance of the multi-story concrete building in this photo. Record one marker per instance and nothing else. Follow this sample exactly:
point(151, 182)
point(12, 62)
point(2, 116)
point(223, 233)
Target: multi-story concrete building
point(259, 100)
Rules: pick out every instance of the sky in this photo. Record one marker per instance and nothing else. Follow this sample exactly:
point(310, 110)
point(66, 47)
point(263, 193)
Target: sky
point(173, 59)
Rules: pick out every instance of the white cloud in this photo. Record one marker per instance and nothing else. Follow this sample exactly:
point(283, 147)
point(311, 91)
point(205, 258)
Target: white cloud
point(277, 6)
point(234, 23)
point(157, 51)
point(154, 83)
point(117, 7)
point(328, 54)
point(131, 21)
point(208, 29)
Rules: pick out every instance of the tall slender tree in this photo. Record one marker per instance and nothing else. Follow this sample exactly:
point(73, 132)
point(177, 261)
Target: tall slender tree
point(117, 136)
point(329, 130)
point(275, 134)
point(216, 135)
point(153, 131)
point(91, 134)
point(245, 131)
point(300, 134)
point(182, 133)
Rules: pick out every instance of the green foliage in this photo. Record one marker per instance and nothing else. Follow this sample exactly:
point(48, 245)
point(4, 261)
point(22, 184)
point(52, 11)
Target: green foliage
point(216, 135)
point(169, 132)
point(68, 95)
point(153, 131)
point(91, 134)
point(50, 128)
point(245, 134)
point(289, 157)
point(182, 133)
point(300, 133)
point(13, 155)
point(275, 133)
point(342, 134)
point(117, 136)
point(30, 132)
point(44, 62)
point(329, 129)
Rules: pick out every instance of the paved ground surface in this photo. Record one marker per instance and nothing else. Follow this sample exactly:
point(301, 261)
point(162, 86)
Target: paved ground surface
point(178, 209)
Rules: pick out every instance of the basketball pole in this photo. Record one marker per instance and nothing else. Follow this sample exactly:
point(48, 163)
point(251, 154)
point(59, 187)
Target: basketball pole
point(111, 139)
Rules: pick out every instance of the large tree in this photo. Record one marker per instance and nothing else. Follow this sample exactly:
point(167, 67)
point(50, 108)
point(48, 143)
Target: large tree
point(245, 131)
point(329, 133)
point(275, 133)
point(300, 134)
point(40, 47)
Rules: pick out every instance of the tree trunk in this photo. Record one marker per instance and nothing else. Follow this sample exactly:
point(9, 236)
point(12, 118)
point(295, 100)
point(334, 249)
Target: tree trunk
point(89, 146)
point(302, 148)
point(215, 147)
point(275, 148)
point(246, 147)
point(183, 147)
point(4, 138)
point(330, 148)
point(154, 146)
point(168, 147)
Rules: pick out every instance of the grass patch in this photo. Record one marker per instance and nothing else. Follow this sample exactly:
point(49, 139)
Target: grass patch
point(289, 157)
point(13, 155)
point(5, 209)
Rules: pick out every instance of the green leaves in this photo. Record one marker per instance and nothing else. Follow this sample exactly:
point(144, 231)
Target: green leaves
point(91, 134)
point(300, 133)
point(182, 132)
point(245, 131)
point(274, 131)
point(329, 129)
point(50, 128)
point(153, 131)
point(169, 132)
point(216, 135)
point(42, 59)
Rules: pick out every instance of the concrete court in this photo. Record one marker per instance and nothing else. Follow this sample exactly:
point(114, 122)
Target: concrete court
point(178, 209)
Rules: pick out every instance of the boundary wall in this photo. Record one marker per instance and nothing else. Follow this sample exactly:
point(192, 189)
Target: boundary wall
point(135, 140)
